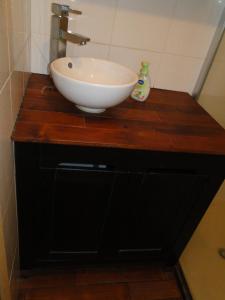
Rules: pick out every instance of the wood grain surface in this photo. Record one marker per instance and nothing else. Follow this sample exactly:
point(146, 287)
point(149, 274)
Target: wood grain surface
point(167, 121)
point(119, 282)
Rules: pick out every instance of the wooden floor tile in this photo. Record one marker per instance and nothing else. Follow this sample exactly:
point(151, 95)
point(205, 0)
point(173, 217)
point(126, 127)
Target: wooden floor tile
point(85, 276)
point(136, 273)
point(155, 290)
point(117, 282)
point(48, 280)
point(98, 276)
point(90, 292)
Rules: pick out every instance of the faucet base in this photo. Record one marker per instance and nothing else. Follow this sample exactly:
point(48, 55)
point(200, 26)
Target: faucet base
point(57, 44)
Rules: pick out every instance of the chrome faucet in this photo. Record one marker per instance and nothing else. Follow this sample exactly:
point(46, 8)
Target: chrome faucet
point(59, 31)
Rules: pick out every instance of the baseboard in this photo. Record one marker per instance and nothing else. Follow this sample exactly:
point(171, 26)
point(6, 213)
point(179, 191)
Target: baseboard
point(182, 283)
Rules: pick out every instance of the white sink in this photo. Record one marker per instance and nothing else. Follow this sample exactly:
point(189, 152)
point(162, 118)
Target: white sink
point(92, 84)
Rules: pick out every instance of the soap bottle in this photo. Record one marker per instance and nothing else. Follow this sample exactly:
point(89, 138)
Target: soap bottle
point(142, 88)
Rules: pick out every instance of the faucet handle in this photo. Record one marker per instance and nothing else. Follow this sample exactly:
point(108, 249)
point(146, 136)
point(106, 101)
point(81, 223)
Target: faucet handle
point(62, 10)
point(74, 11)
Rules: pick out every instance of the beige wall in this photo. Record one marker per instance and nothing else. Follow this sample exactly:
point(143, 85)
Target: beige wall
point(14, 67)
point(203, 267)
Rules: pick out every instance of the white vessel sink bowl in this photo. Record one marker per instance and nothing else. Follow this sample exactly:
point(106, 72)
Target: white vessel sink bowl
point(93, 85)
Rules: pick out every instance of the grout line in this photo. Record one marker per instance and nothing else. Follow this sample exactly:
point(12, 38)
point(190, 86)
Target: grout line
point(113, 26)
point(5, 82)
point(13, 267)
point(4, 274)
point(137, 49)
point(12, 189)
point(148, 50)
point(8, 49)
point(7, 34)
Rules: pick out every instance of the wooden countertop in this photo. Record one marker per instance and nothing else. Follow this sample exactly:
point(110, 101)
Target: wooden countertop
point(167, 121)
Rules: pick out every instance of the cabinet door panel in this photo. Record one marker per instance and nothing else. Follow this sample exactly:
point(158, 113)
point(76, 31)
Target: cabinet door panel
point(172, 198)
point(78, 204)
point(152, 215)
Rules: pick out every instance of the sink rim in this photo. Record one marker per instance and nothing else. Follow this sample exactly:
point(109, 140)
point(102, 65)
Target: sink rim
point(54, 69)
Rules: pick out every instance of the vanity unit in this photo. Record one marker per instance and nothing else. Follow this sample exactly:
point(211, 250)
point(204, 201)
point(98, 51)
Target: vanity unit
point(129, 184)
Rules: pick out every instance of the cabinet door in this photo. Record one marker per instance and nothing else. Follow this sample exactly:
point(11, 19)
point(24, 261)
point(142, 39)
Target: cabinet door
point(151, 210)
point(76, 209)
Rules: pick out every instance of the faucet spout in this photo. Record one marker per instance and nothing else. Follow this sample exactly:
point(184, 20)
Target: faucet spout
point(75, 38)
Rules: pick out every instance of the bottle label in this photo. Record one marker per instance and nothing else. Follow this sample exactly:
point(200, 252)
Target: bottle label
point(141, 82)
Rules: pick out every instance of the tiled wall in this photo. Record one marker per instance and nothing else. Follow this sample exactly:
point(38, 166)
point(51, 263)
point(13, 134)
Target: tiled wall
point(174, 35)
point(14, 71)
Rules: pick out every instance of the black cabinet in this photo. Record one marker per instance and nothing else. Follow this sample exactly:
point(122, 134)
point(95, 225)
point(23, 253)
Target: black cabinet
point(149, 210)
point(89, 204)
point(75, 201)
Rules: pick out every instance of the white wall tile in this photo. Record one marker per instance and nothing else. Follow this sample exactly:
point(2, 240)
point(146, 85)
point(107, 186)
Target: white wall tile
point(132, 59)
point(40, 53)
point(4, 55)
point(6, 158)
point(27, 11)
point(193, 27)
point(17, 10)
point(143, 24)
point(89, 50)
point(41, 16)
point(17, 29)
point(96, 21)
point(128, 31)
point(18, 42)
point(178, 73)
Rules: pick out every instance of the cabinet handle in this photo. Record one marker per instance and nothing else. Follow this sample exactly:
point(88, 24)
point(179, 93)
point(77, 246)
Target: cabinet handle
point(82, 166)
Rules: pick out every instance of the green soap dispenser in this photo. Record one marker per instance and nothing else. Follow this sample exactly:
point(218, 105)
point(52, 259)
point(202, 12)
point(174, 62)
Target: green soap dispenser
point(142, 88)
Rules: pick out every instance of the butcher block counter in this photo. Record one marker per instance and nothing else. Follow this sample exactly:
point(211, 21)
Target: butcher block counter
point(167, 121)
point(130, 183)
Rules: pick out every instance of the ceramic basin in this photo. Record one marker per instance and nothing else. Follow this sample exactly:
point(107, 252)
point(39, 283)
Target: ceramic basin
point(93, 85)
